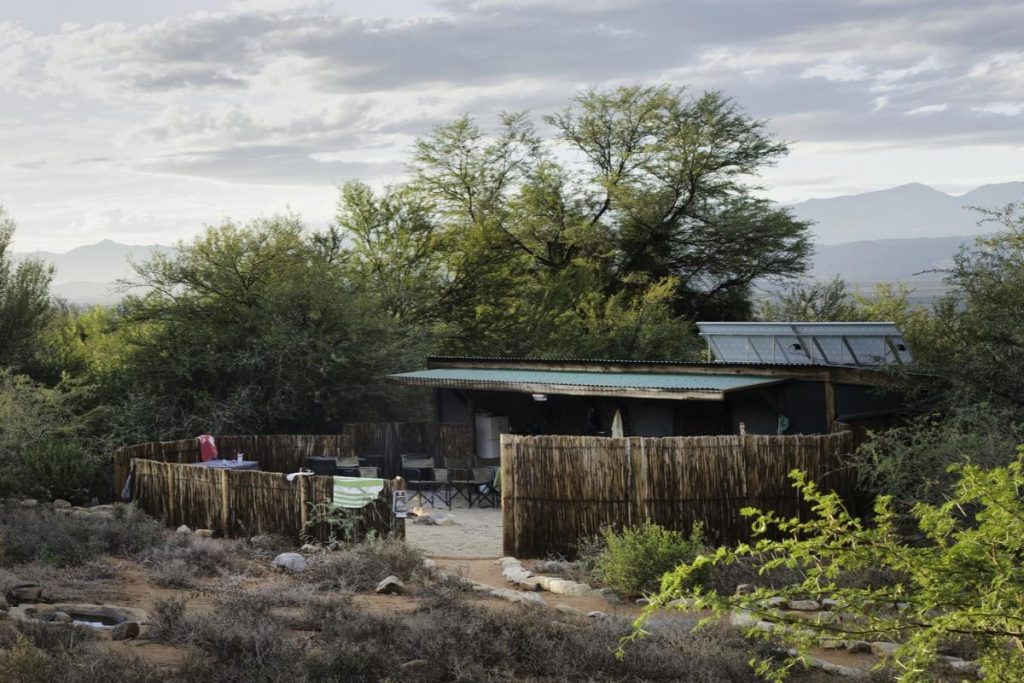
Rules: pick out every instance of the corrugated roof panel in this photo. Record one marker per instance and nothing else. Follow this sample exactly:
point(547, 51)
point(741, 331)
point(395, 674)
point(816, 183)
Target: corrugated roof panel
point(618, 380)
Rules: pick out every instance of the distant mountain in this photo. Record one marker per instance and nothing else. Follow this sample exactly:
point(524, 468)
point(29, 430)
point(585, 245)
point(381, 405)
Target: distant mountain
point(906, 211)
point(88, 275)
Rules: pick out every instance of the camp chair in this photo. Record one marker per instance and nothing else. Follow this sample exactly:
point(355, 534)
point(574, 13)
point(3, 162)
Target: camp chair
point(474, 484)
point(425, 480)
point(347, 467)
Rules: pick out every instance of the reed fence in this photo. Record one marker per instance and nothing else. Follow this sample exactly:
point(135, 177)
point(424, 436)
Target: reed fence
point(240, 504)
point(557, 489)
point(288, 452)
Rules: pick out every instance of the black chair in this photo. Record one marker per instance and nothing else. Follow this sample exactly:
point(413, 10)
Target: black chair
point(323, 466)
point(347, 467)
point(371, 460)
point(474, 484)
point(425, 480)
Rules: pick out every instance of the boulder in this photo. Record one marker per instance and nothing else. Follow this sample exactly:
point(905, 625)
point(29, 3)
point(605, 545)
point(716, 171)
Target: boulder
point(61, 618)
point(550, 567)
point(577, 589)
point(292, 562)
point(532, 583)
point(610, 596)
point(745, 589)
point(858, 646)
point(60, 504)
point(29, 502)
point(805, 605)
point(26, 592)
point(777, 602)
point(597, 614)
point(392, 585)
point(883, 649)
point(183, 529)
point(414, 666)
point(568, 609)
point(204, 533)
point(423, 519)
point(126, 630)
point(262, 542)
point(741, 618)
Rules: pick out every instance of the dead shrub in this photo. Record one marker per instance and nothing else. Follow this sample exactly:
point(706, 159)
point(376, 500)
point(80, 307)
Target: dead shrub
point(362, 566)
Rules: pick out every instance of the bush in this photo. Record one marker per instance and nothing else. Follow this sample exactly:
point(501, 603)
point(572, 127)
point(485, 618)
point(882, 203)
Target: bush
point(362, 566)
point(633, 561)
point(40, 535)
point(59, 468)
point(183, 557)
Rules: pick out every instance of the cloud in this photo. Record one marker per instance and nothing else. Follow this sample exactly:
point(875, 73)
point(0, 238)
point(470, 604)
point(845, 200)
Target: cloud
point(1001, 108)
point(928, 109)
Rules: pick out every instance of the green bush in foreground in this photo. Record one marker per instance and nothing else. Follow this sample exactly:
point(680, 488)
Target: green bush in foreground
point(966, 582)
point(634, 560)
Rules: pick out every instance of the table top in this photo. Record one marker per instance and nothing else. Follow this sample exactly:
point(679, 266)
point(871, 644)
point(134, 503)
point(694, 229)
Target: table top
point(230, 464)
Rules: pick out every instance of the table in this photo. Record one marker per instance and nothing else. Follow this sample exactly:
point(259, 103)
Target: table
point(229, 464)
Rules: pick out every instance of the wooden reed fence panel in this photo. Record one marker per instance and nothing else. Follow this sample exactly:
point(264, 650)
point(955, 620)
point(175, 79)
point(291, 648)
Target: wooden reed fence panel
point(240, 504)
point(557, 489)
point(288, 452)
point(392, 439)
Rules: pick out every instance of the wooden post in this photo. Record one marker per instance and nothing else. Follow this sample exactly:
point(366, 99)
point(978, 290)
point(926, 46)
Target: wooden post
point(303, 514)
point(399, 531)
point(830, 406)
point(225, 506)
point(170, 493)
point(508, 505)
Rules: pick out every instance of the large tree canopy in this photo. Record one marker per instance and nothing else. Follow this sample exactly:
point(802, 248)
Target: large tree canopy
point(24, 301)
point(642, 208)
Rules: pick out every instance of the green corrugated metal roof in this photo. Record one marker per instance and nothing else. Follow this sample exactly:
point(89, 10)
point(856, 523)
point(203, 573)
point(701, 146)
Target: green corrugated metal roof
point(616, 380)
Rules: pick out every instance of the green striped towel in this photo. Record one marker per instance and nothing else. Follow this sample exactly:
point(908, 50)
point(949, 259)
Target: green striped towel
point(356, 492)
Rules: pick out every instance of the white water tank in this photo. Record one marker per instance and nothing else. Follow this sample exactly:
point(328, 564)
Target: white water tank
point(489, 429)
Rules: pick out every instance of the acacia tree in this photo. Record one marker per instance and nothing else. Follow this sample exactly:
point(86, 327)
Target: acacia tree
point(641, 209)
point(24, 301)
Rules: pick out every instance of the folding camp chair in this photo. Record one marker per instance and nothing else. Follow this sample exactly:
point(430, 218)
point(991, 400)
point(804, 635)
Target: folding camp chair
point(474, 484)
point(423, 479)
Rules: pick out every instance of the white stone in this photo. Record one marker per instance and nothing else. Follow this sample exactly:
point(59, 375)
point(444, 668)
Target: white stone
point(804, 605)
point(742, 618)
point(568, 609)
point(391, 585)
point(292, 562)
point(183, 529)
point(745, 589)
point(60, 503)
point(577, 589)
point(205, 533)
point(597, 614)
point(883, 649)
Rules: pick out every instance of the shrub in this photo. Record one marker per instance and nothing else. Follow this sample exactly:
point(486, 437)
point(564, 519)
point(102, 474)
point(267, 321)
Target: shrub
point(961, 589)
point(634, 560)
point(167, 621)
point(59, 468)
point(362, 566)
point(185, 556)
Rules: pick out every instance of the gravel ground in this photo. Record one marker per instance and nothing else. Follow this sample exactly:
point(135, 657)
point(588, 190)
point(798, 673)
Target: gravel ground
point(476, 533)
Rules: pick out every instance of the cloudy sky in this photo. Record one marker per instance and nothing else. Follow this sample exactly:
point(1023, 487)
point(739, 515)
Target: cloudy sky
point(141, 121)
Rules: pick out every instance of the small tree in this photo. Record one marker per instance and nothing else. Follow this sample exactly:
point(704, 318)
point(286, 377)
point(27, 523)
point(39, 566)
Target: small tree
point(965, 580)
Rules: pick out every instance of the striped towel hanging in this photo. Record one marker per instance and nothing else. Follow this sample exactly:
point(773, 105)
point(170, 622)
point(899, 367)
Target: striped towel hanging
point(356, 492)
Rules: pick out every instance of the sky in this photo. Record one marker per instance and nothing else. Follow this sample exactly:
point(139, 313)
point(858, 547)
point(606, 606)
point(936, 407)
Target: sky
point(141, 122)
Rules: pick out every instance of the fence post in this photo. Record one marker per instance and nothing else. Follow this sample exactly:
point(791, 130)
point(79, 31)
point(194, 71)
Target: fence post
point(509, 450)
point(170, 493)
point(225, 509)
point(303, 515)
point(629, 482)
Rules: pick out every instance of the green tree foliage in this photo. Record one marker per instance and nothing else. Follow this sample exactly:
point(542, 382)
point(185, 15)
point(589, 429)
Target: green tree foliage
point(24, 301)
point(251, 329)
point(965, 581)
point(611, 239)
point(812, 302)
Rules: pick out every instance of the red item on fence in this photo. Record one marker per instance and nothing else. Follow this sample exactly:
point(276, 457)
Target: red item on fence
point(207, 448)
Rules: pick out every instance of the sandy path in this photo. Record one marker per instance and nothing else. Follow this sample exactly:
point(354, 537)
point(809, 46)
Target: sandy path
point(475, 533)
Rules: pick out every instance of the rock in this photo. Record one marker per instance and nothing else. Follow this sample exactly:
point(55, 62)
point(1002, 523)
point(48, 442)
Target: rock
point(414, 666)
point(392, 585)
point(61, 618)
point(558, 585)
point(204, 533)
point(29, 502)
point(643, 601)
point(681, 603)
point(26, 592)
point(777, 602)
point(515, 574)
point(531, 584)
point(444, 520)
point(836, 669)
point(804, 605)
point(832, 644)
point(550, 567)
point(430, 566)
point(517, 596)
point(568, 609)
point(741, 618)
point(597, 614)
point(309, 548)
point(765, 626)
point(423, 519)
point(126, 630)
point(577, 589)
point(292, 562)
point(883, 649)
point(60, 503)
point(828, 603)
point(545, 582)
point(3, 614)
point(183, 529)
point(610, 596)
point(745, 589)
point(3, 603)
point(507, 562)
point(963, 666)
point(858, 646)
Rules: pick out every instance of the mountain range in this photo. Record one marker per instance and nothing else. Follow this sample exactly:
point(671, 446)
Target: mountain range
point(902, 234)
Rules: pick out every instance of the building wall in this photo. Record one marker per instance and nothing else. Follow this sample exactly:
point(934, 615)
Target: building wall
point(853, 401)
point(759, 409)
